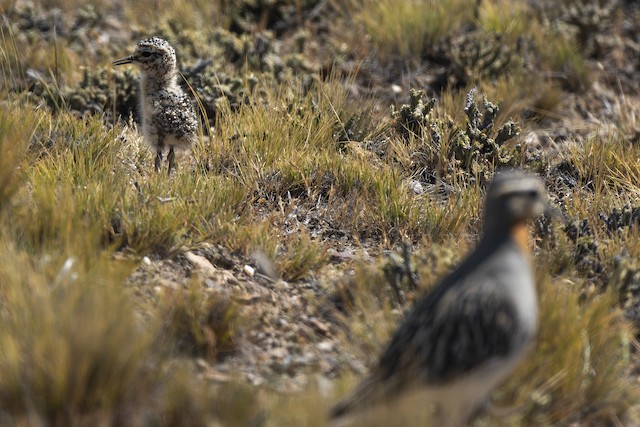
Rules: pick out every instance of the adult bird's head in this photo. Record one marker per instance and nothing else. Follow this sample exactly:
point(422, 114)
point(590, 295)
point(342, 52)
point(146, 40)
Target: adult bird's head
point(513, 199)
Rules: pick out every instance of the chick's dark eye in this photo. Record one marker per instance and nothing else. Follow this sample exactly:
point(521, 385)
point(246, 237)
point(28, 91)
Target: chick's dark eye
point(146, 54)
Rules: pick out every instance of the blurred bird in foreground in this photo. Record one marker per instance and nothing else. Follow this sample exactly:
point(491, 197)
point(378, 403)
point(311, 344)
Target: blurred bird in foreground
point(470, 331)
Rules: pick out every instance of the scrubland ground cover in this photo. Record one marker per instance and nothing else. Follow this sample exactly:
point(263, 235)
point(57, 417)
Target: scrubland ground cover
point(345, 149)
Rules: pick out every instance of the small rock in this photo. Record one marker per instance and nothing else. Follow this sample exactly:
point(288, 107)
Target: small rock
point(254, 379)
point(282, 285)
point(340, 255)
point(325, 346)
point(247, 298)
point(320, 327)
point(248, 270)
point(300, 381)
point(215, 376)
point(165, 283)
point(200, 263)
point(416, 187)
point(329, 366)
point(278, 353)
point(358, 366)
point(146, 260)
point(363, 255)
point(282, 322)
point(325, 386)
point(202, 364)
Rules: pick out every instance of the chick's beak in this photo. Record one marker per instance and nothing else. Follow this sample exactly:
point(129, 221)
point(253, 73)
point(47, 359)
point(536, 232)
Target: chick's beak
point(125, 60)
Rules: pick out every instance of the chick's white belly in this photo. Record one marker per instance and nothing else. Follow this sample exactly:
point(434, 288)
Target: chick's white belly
point(153, 139)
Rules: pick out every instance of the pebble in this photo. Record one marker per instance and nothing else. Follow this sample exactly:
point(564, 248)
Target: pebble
point(325, 386)
point(146, 260)
point(416, 187)
point(200, 263)
point(65, 272)
point(279, 353)
point(319, 327)
point(248, 270)
point(325, 346)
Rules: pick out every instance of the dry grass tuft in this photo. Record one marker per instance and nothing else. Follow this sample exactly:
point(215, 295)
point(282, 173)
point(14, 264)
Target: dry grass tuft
point(198, 323)
point(73, 350)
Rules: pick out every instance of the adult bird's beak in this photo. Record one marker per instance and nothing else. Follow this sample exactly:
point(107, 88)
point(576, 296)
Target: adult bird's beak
point(126, 60)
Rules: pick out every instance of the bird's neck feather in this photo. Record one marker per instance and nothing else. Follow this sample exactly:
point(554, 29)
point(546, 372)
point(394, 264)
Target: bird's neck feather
point(520, 233)
point(497, 234)
point(151, 84)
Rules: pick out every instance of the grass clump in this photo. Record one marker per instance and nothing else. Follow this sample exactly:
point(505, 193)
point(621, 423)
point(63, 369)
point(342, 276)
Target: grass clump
point(200, 322)
point(563, 60)
point(72, 349)
point(79, 178)
point(302, 255)
point(406, 28)
point(578, 364)
point(15, 130)
point(504, 17)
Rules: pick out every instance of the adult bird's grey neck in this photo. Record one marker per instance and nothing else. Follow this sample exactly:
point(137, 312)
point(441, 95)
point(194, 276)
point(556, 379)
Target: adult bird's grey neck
point(496, 223)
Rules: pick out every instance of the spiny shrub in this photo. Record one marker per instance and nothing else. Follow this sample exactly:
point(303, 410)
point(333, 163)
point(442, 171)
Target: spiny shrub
point(475, 146)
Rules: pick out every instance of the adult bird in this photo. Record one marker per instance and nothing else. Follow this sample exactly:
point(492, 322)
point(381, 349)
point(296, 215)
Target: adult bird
point(469, 332)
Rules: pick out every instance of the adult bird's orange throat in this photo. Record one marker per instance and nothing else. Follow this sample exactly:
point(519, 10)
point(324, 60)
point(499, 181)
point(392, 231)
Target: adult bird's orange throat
point(520, 233)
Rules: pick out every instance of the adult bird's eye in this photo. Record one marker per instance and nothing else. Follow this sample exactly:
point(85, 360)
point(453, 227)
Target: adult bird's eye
point(146, 53)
